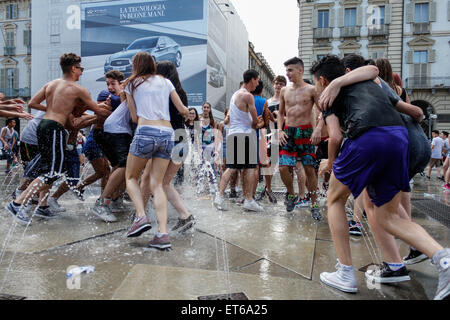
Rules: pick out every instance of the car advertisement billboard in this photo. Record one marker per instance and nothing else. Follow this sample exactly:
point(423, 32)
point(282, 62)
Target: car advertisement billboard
point(112, 32)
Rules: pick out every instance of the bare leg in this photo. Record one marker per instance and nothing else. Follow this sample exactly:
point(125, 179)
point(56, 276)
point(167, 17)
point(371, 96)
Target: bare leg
point(132, 172)
point(224, 181)
point(115, 180)
point(286, 177)
point(102, 171)
point(172, 194)
point(157, 173)
point(301, 180)
point(337, 219)
point(311, 183)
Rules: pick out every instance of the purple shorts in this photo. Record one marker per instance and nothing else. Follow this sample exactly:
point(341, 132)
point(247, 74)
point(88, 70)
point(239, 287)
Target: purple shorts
point(378, 160)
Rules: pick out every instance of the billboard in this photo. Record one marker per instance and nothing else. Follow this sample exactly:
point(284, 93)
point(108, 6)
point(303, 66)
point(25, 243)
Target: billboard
point(112, 32)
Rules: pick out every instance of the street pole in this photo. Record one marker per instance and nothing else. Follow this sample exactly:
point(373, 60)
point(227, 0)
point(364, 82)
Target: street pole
point(430, 121)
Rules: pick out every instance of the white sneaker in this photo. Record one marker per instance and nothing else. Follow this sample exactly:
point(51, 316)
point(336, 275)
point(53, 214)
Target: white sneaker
point(252, 206)
point(343, 279)
point(103, 212)
point(54, 205)
point(116, 205)
point(219, 203)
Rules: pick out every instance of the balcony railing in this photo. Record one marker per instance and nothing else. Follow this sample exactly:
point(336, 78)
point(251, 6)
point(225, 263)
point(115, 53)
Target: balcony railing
point(9, 51)
point(421, 28)
point(427, 82)
point(350, 32)
point(378, 30)
point(323, 33)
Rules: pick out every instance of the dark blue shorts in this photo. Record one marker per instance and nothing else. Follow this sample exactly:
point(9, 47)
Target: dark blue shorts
point(72, 165)
point(91, 150)
point(378, 160)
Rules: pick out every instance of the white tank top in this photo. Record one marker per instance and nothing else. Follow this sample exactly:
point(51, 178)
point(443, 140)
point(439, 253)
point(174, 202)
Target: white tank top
point(8, 135)
point(240, 121)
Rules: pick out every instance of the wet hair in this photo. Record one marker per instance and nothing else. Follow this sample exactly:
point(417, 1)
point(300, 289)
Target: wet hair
point(370, 62)
point(212, 121)
point(115, 75)
point(143, 68)
point(240, 84)
point(295, 61)
point(69, 60)
point(259, 89)
point(281, 79)
point(353, 61)
point(250, 74)
point(385, 69)
point(329, 67)
point(9, 121)
point(436, 131)
point(307, 81)
point(169, 71)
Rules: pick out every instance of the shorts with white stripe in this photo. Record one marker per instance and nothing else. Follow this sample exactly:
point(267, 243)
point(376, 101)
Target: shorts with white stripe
point(52, 139)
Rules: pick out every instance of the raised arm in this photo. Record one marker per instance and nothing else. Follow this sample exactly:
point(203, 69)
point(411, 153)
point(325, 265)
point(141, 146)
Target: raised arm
point(332, 90)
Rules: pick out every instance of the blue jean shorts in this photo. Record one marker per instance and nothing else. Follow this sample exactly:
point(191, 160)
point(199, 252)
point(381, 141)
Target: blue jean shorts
point(152, 142)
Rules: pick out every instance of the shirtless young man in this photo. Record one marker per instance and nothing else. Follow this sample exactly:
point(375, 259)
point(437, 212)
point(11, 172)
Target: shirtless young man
point(63, 97)
point(298, 138)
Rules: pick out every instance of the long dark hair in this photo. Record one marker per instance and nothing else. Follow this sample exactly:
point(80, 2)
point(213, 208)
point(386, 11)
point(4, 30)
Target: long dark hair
point(169, 71)
point(385, 68)
point(197, 118)
point(143, 68)
point(212, 121)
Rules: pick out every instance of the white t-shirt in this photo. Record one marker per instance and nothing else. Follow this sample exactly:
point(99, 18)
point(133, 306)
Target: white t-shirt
point(119, 120)
point(29, 133)
point(447, 147)
point(437, 144)
point(152, 98)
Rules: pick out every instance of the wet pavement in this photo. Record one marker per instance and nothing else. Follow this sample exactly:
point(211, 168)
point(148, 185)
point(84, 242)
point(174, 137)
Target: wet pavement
point(268, 255)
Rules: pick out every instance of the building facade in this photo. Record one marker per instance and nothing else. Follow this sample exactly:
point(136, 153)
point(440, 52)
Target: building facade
point(257, 62)
point(413, 34)
point(15, 54)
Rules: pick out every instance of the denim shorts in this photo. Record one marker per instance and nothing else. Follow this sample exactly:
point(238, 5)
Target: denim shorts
point(152, 142)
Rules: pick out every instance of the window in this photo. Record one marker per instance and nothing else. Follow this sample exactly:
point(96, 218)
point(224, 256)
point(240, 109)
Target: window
point(420, 57)
point(11, 11)
point(421, 13)
point(350, 17)
point(323, 19)
point(378, 15)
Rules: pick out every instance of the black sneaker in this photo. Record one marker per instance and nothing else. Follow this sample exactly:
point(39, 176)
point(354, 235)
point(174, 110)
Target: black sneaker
point(233, 194)
point(79, 194)
point(355, 228)
point(271, 196)
point(261, 195)
point(291, 202)
point(414, 256)
point(45, 213)
point(386, 275)
point(184, 225)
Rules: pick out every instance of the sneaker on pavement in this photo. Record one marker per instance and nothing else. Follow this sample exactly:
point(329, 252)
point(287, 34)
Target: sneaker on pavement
point(45, 213)
point(55, 206)
point(271, 196)
point(343, 279)
point(302, 203)
point(160, 243)
point(103, 212)
point(139, 227)
point(219, 203)
point(79, 194)
point(116, 205)
point(442, 261)
point(291, 201)
point(184, 224)
point(233, 194)
point(315, 212)
point(252, 206)
point(261, 195)
point(18, 212)
point(414, 256)
point(386, 275)
point(355, 228)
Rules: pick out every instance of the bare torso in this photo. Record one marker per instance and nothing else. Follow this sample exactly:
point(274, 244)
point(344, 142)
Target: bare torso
point(298, 102)
point(62, 99)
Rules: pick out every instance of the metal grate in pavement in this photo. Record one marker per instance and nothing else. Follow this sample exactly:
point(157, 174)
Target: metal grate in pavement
point(434, 209)
point(231, 296)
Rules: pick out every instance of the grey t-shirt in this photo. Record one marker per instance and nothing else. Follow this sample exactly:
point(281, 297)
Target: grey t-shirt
point(119, 120)
point(29, 133)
